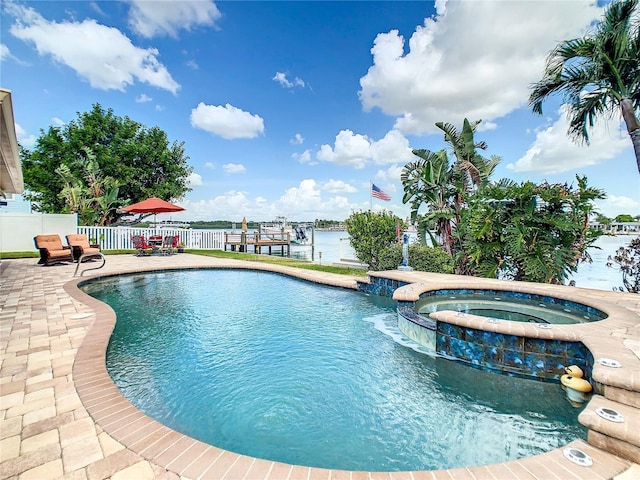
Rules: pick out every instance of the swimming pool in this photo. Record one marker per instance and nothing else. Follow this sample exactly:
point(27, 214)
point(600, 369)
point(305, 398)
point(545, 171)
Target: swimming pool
point(506, 305)
point(274, 367)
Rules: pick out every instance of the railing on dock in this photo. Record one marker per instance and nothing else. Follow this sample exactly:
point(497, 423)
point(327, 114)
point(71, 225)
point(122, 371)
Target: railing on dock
point(242, 241)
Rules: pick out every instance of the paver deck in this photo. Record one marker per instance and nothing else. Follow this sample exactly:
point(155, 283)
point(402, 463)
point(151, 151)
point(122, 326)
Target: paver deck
point(61, 416)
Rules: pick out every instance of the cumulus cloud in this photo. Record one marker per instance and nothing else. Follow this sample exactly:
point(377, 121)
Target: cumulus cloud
point(194, 180)
point(210, 165)
point(297, 140)
point(27, 141)
point(282, 79)
point(306, 201)
point(232, 168)
point(302, 202)
point(304, 157)
point(143, 98)
point(355, 150)
point(554, 152)
point(615, 205)
point(437, 79)
point(151, 19)
point(391, 174)
point(338, 186)
point(226, 121)
point(102, 55)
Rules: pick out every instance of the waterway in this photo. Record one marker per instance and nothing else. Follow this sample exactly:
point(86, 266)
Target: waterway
point(334, 247)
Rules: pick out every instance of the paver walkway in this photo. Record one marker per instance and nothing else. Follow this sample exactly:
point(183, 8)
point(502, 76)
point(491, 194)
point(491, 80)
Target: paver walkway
point(61, 417)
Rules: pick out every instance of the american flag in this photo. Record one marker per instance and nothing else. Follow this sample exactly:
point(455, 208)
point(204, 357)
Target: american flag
point(376, 192)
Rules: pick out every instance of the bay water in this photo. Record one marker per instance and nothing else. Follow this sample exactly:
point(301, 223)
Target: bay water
point(334, 247)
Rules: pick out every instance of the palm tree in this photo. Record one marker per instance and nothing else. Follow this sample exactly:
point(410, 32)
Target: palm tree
point(428, 182)
point(440, 185)
point(598, 74)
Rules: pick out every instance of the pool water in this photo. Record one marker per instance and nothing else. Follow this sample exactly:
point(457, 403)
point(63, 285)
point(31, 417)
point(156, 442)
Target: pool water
point(516, 307)
point(277, 368)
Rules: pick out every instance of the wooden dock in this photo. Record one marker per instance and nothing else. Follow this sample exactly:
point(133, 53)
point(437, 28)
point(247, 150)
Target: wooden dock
point(242, 241)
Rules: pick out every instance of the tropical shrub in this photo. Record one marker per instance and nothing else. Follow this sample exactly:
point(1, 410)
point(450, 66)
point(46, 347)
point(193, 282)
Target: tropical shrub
point(527, 232)
point(421, 257)
point(370, 233)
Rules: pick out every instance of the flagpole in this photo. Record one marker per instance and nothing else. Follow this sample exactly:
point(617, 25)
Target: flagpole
point(370, 195)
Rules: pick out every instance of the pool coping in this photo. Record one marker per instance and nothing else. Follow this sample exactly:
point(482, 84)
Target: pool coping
point(104, 402)
point(185, 457)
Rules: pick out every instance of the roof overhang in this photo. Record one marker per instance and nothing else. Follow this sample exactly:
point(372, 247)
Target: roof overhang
point(10, 168)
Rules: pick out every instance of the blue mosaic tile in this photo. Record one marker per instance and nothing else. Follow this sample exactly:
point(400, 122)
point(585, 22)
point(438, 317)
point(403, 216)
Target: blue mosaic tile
point(513, 342)
point(577, 350)
point(512, 358)
point(534, 345)
point(494, 339)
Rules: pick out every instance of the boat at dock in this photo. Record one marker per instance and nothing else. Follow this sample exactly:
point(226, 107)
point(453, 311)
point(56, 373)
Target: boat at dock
point(297, 233)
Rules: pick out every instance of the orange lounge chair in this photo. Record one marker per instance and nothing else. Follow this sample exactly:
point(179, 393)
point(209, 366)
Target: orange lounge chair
point(80, 246)
point(51, 250)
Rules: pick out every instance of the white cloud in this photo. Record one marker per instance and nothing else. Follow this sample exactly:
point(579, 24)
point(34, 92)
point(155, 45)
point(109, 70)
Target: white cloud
point(210, 165)
point(195, 180)
point(392, 148)
point(338, 186)
point(143, 98)
point(305, 201)
point(304, 157)
point(5, 53)
point(297, 140)
point(554, 152)
point(232, 168)
point(499, 50)
point(350, 150)
point(355, 150)
point(149, 18)
point(27, 141)
point(192, 64)
point(226, 121)
point(102, 55)
point(391, 174)
point(282, 79)
point(614, 205)
point(58, 122)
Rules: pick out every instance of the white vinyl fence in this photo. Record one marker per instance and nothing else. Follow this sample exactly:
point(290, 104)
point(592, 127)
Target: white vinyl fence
point(119, 238)
point(18, 229)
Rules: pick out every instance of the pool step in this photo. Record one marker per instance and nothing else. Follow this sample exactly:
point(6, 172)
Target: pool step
point(619, 434)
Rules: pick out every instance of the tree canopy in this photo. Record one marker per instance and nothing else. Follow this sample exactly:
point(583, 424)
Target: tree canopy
point(598, 74)
point(128, 160)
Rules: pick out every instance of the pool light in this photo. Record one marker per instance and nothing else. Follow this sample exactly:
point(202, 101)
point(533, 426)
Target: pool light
point(578, 457)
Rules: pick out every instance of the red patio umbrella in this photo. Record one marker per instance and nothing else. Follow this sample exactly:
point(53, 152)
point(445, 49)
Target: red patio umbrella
point(153, 205)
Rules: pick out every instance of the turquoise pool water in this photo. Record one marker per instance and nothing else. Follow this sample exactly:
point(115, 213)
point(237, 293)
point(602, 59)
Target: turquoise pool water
point(278, 368)
point(514, 306)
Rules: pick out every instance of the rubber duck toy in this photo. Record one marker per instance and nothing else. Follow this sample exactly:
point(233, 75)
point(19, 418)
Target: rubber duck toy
point(577, 387)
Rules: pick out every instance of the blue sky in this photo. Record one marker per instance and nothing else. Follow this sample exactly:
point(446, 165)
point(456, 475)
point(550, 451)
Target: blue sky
point(292, 108)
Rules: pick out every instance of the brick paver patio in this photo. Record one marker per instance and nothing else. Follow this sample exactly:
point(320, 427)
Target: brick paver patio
point(62, 417)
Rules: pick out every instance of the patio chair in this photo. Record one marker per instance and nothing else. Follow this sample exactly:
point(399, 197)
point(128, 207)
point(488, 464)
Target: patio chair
point(80, 246)
point(169, 245)
point(141, 245)
point(51, 250)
